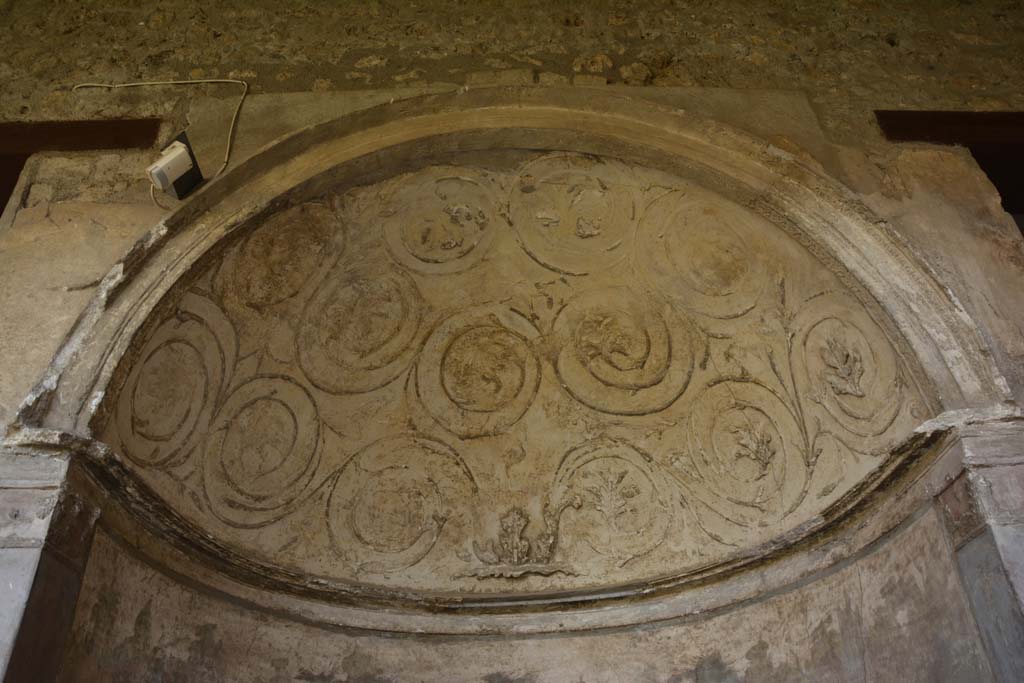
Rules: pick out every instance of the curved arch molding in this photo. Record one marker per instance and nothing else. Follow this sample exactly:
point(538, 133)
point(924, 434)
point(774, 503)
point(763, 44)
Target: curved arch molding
point(507, 351)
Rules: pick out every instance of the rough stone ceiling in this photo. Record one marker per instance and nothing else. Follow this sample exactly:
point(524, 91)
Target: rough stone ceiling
point(850, 57)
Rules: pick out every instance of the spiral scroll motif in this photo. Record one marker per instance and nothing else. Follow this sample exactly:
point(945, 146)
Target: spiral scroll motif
point(573, 214)
point(851, 372)
point(393, 499)
point(614, 497)
point(746, 453)
point(478, 372)
point(262, 451)
point(623, 354)
point(701, 252)
point(170, 393)
point(275, 261)
point(359, 330)
point(440, 220)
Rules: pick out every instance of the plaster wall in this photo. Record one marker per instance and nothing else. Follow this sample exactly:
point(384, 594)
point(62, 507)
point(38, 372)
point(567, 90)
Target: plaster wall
point(897, 613)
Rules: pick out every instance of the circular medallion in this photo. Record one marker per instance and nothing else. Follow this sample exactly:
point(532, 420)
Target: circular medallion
point(440, 220)
point(479, 373)
point(359, 330)
point(623, 354)
point(574, 215)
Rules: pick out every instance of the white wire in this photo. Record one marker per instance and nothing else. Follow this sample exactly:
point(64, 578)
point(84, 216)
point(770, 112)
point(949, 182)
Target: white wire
point(152, 195)
point(234, 119)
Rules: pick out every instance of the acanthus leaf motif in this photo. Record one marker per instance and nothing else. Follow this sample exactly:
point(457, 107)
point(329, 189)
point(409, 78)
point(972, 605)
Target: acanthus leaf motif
point(613, 495)
point(756, 445)
point(843, 367)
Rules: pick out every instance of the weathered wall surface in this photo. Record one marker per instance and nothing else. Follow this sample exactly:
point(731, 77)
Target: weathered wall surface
point(950, 214)
point(53, 256)
point(896, 614)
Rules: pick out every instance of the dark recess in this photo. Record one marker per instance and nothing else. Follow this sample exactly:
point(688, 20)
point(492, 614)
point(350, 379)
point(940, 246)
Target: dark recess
point(995, 139)
point(20, 140)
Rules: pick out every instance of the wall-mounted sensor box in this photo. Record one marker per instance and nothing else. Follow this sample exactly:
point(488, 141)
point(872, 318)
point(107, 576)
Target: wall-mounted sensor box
point(176, 171)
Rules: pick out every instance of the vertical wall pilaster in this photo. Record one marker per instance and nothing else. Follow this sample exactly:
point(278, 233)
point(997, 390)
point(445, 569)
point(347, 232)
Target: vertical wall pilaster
point(46, 527)
point(984, 508)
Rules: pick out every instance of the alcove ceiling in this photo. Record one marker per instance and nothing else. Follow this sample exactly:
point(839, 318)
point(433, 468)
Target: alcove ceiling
point(514, 372)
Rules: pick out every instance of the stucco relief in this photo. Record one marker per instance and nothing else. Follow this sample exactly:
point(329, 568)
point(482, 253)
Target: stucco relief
point(568, 374)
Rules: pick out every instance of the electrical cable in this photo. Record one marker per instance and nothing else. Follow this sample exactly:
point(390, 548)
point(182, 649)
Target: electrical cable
point(200, 81)
point(152, 195)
